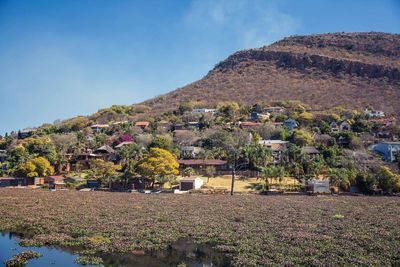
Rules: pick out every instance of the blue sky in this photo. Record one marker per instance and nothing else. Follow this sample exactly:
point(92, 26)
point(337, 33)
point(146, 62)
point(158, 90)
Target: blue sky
point(65, 58)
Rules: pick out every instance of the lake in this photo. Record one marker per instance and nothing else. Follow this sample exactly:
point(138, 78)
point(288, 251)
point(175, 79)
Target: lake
point(183, 251)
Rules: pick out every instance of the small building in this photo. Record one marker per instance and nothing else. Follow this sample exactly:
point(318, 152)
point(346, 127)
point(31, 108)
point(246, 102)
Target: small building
point(387, 150)
point(200, 165)
point(142, 124)
point(319, 186)
point(8, 181)
point(193, 125)
point(278, 147)
point(53, 179)
point(189, 151)
point(92, 184)
point(204, 110)
point(311, 151)
point(58, 185)
point(334, 127)
point(38, 181)
point(290, 124)
point(254, 116)
point(25, 133)
point(344, 126)
point(106, 152)
point(98, 128)
point(275, 109)
point(374, 113)
point(248, 124)
point(189, 183)
point(323, 139)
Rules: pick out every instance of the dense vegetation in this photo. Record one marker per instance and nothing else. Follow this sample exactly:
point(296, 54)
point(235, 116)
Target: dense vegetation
point(253, 230)
point(151, 153)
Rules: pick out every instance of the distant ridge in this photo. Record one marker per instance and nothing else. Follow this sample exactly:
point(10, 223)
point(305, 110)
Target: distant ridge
point(353, 70)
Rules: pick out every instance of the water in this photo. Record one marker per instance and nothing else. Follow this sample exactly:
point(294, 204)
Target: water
point(183, 251)
point(51, 256)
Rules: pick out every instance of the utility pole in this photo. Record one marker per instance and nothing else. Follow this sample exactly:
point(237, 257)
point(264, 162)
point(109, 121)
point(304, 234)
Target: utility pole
point(233, 180)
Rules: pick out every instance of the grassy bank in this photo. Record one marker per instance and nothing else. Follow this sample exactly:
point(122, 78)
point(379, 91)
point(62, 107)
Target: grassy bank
point(256, 230)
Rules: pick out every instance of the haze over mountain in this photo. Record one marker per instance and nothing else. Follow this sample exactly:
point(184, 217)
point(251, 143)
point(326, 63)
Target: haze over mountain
point(353, 70)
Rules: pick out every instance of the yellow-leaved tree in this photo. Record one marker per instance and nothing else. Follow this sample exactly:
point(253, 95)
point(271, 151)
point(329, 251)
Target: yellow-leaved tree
point(159, 165)
point(36, 167)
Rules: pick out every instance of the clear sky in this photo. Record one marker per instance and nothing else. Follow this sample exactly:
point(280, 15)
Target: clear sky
point(60, 59)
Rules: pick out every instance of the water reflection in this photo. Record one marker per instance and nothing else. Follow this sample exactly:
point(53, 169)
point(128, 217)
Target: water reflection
point(184, 251)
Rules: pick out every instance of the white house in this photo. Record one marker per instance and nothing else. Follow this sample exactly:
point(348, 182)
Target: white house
point(374, 113)
point(189, 183)
point(334, 127)
point(204, 110)
point(189, 151)
point(319, 186)
point(97, 128)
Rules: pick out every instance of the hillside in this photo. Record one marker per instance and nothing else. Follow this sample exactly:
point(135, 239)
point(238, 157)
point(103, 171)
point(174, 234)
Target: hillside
point(348, 69)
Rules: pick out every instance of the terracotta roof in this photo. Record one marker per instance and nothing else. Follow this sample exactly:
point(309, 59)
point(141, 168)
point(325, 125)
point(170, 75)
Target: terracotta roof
point(202, 162)
point(142, 123)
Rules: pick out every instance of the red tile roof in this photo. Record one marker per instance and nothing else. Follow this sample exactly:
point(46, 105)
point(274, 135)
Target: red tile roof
point(142, 123)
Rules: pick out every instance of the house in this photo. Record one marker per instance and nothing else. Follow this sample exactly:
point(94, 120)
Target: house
point(179, 126)
point(193, 125)
point(200, 165)
point(248, 124)
point(189, 183)
point(123, 144)
point(189, 151)
point(311, 151)
point(387, 150)
point(374, 113)
point(92, 184)
point(290, 124)
point(54, 179)
point(344, 126)
point(343, 141)
point(98, 128)
point(142, 124)
point(57, 185)
point(3, 155)
point(319, 186)
point(323, 139)
point(204, 110)
point(254, 116)
point(25, 133)
point(275, 109)
point(334, 127)
point(106, 152)
point(11, 181)
point(278, 148)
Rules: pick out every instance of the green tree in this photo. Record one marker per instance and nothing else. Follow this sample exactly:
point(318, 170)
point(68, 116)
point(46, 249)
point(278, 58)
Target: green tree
point(103, 171)
point(188, 172)
point(163, 142)
point(302, 137)
point(158, 164)
point(387, 180)
point(365, 182)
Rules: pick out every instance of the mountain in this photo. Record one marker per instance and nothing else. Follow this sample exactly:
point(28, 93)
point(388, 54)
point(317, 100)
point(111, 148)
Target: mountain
point(353, 70)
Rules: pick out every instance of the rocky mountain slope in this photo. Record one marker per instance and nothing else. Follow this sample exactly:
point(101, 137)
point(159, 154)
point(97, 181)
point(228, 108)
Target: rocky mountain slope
point(353, 70)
